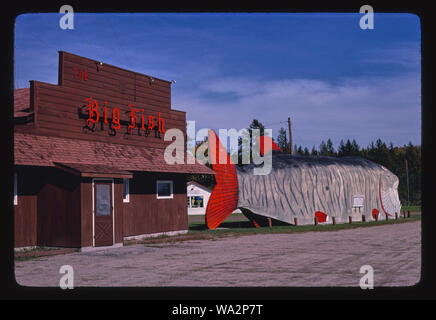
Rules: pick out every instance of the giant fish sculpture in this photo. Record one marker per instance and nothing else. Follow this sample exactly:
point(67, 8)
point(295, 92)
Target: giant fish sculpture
point(300, 189)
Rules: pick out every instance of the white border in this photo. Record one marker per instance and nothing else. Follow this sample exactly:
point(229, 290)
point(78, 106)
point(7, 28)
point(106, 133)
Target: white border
point(93, 210)
point(171, 187)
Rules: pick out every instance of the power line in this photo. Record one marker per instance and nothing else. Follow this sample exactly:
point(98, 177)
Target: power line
point(275, 123)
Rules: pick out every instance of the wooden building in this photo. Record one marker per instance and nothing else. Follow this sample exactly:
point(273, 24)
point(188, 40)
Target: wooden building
point(89, 166)
point(197, 198)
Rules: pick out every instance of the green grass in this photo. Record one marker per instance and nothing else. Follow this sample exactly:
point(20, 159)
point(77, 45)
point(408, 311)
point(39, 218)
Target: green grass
point(33, 253)
point(34, 249)
point(236, 228)
point(411, 208)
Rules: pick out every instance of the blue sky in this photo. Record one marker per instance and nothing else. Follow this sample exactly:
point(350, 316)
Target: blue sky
point(332, 78)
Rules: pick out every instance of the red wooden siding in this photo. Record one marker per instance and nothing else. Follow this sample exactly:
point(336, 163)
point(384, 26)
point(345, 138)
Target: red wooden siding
point(145, 214)
point(47, 212)
point(59, 209)
point(56, 106)
point(25, 218)
point(25, 221)
point(86, 212)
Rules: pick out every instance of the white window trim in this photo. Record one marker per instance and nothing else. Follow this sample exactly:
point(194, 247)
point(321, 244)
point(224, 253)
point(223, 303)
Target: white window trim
point(15, 189)
point(171, 188)
point(127, 199)
point(358, 196)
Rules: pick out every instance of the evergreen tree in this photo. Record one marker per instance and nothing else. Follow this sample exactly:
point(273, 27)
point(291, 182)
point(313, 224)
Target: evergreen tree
point(323, 149)
point(355, 148)
point(282, 141)
point(341, 149)
point(247, 139)
point(299, 151)
point(330, 150)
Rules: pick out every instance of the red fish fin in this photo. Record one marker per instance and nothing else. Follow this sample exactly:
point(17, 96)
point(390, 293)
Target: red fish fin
point(261, 140)
point(224, 197)
point(321, 216)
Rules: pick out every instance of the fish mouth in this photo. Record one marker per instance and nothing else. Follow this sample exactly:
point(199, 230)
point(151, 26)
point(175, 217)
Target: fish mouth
point(388, 198)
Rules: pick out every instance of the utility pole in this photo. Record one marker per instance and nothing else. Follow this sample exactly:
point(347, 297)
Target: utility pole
point(291, 149)
point(407, 179)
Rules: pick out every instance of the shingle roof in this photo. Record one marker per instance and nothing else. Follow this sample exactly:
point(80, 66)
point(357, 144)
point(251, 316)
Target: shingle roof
point(38, 150)
point(22, 102)
point(93, 170)
point(198, 185)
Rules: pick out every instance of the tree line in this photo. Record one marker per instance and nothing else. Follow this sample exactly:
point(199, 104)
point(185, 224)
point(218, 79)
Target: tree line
point(403, 161)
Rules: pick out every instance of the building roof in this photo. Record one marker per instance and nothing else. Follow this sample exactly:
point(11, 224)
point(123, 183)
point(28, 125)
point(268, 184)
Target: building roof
point(22, 102)
point(93, 170)
point(198, 185)
point(39, 150)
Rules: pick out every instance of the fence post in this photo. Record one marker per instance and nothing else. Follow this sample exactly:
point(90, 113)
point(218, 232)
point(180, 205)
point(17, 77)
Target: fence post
point(350, 220)
point(396, 216)
point(334, 220)
point(387, 217)
point(316, 221)
point(408, 213)
point(269, 222)
point(363, 218)
point(295, 222)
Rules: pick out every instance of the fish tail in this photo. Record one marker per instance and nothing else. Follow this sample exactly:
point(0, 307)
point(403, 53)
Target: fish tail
point(266, 144)
point(224, 198)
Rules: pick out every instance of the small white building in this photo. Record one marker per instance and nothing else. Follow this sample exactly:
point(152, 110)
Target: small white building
point(198, 196)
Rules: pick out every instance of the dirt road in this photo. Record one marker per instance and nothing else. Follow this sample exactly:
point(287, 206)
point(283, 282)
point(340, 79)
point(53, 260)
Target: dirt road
point(301, 259)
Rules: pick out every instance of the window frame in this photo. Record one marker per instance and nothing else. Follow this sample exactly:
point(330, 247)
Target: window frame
point(171, 196)
point(202, 202)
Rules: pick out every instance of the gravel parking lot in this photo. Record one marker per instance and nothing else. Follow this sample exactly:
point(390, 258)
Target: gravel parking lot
point(300, 259)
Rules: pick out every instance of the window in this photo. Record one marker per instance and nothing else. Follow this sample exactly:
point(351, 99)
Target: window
point(358, 202)
point(126, 191)
point(197, 202)
point(15, 189)
point(102, 199)
point(164, 189)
